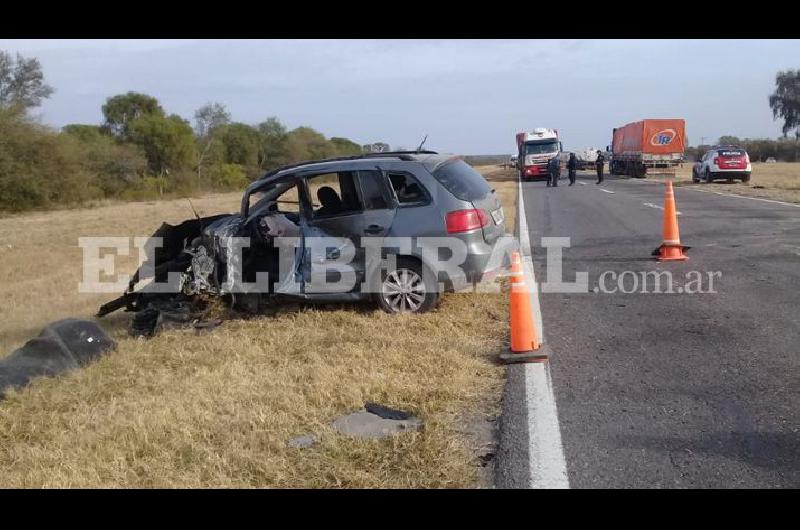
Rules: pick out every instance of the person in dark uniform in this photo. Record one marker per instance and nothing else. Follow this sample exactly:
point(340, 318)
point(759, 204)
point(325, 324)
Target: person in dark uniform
point(572, 166)
point(553, 171)
point(598, 164)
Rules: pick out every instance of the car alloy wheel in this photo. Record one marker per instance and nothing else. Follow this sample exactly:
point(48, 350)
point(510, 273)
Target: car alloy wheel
point(403, 291)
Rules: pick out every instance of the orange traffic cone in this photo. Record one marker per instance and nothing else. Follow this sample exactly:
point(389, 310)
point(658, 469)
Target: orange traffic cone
point(524, 339)
point(671, 249)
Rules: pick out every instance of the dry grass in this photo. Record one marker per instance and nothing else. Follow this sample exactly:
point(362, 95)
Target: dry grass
point(779, 181)
point(216, 409)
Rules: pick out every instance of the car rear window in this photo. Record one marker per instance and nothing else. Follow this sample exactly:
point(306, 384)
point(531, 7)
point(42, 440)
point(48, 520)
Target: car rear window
point(731, 152)
point(461, 180)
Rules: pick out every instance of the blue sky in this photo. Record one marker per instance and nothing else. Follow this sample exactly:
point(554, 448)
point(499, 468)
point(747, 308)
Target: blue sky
point(470, 97)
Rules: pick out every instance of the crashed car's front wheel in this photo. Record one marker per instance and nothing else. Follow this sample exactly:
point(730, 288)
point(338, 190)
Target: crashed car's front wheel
point(408, 288)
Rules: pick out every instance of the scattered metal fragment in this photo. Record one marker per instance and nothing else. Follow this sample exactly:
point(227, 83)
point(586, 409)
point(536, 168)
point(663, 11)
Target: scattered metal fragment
point(365, 424)
point(302, 442)
point(207, 324)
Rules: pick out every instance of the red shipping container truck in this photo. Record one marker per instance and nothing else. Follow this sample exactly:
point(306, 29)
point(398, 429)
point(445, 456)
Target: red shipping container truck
point(647, 144)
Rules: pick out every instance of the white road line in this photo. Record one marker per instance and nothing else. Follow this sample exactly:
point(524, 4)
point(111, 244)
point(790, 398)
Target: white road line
point(548, 468)
point(606, 191)
point(651, 205)
point(547, 465)
point(582, 183)
point(793, 247)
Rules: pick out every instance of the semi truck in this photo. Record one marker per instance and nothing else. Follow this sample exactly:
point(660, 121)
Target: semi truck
point(654, 145)
point(587, 157)
point(534, 151)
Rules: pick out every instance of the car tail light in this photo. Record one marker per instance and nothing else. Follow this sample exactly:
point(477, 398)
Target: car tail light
point(716, 160)
point(466, 220)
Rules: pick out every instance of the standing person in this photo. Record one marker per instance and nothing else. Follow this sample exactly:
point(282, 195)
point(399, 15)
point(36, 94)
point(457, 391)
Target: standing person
point(572, 166)
point(598, 164)
point(553, 170)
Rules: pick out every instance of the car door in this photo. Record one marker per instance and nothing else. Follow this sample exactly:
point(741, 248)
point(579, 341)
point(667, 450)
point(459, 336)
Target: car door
point(707, 161)
point(380, 210)
point(366, 212)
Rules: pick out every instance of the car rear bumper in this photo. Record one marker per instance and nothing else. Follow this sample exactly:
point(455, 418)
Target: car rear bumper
point(730, 173)
point(480, 266)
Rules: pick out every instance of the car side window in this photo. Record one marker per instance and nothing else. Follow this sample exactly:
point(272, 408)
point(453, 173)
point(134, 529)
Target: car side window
point(373, 190)
point(288, 201)
point(333, 194)
point(407, 189)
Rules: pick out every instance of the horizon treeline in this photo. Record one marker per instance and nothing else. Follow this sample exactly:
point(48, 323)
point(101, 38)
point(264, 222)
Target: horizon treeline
point(140, 151)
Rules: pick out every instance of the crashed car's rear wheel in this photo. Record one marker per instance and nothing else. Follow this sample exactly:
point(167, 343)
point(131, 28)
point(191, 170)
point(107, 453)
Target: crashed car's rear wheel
point(407, 288)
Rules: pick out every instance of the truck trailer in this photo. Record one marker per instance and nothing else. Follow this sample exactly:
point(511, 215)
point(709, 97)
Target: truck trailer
point(655, 145)
point(587, 157)
point(535, 149)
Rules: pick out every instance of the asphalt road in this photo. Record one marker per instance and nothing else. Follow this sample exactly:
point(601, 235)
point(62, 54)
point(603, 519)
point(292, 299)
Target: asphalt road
point(673, 390)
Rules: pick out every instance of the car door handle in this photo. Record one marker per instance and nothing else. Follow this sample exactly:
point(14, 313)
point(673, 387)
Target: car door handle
point(373, 229)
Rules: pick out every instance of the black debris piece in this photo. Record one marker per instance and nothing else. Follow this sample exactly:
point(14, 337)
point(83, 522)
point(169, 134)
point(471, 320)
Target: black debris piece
point(386, 413)
point(163, 313)
point(63, 345)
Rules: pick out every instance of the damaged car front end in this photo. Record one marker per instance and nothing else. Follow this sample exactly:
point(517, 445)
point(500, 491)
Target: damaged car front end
point(205, 258)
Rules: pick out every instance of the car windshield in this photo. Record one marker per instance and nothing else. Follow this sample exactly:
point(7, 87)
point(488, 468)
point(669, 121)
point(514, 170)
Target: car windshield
point(261, 197)
point(540, 148)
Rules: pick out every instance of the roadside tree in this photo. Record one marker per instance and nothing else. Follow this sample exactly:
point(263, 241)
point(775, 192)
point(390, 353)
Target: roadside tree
point(120, 111)
point(785, 101)
point(22, 81)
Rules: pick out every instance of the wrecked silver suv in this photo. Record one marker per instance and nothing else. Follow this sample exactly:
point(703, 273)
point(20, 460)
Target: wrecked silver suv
point(397, 228)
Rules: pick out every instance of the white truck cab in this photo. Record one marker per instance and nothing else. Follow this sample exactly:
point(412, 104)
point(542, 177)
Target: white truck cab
point(536, 148)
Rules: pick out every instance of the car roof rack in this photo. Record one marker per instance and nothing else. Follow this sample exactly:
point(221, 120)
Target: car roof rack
point(391, 153)
point(402, 155)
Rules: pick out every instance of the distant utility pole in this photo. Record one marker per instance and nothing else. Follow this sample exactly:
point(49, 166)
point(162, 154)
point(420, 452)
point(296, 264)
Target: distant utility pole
point(702, 140)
